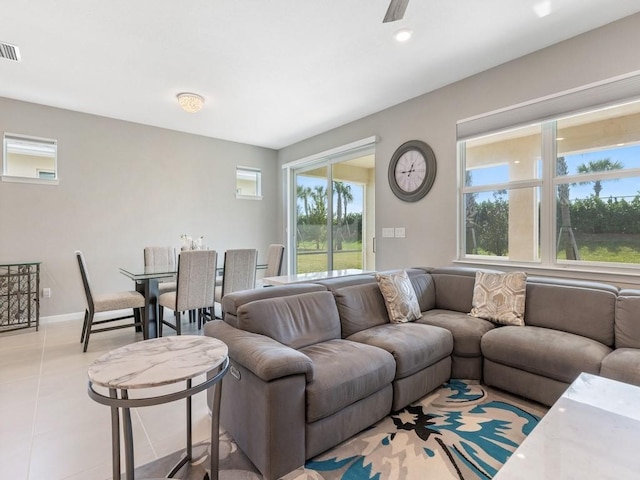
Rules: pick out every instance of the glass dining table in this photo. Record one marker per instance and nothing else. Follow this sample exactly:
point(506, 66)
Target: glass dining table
point(146, 282)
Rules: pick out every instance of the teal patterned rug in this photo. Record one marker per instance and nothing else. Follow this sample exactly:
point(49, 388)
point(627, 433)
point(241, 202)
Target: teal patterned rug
point(463, 431)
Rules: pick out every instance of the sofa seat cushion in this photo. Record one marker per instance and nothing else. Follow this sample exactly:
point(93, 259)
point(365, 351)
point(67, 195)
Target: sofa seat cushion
point(550, 353)
point(345, 372)
point(413, 346)
point(467, 331)
point(623, 364)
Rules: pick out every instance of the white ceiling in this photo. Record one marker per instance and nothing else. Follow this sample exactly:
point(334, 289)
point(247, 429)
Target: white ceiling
point(273, 72)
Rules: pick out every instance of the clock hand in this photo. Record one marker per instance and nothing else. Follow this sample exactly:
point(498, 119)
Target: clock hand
point(411, 169)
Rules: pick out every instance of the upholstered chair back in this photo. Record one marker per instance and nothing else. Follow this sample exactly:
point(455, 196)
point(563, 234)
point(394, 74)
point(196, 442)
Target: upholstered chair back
point(196, 279)
point(275, 253)
point(239, 270)
point(159, 256)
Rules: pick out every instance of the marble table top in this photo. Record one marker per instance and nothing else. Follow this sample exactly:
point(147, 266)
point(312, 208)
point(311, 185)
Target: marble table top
point(591, 432)
point(159, 361)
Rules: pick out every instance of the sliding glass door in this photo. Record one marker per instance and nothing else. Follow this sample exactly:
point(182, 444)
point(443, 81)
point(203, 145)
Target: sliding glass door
point(331, 213)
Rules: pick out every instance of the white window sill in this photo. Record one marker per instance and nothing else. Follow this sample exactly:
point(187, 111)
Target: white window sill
point(623, 277)
point(249, 197)
point(40, 181)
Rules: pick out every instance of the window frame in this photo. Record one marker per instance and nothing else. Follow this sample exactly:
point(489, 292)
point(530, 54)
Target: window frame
point(37, 179)
point(243, 170)
point(548, 201)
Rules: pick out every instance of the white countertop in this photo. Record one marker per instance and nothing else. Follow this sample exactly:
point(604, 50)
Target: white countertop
point(312, 276)
point(591, 432)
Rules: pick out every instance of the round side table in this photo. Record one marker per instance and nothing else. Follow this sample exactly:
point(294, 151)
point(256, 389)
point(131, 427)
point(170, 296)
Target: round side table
point(153, 363)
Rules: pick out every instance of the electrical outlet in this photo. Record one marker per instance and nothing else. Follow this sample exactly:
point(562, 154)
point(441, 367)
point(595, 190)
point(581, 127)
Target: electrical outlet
point(46, 293)
point(399, 232)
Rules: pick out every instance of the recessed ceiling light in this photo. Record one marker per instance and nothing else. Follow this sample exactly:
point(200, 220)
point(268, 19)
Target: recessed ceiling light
point(542, 9)
point(560, 138)
point(403, 35)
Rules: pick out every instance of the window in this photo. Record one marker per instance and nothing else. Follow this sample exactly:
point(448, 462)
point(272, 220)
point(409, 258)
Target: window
point(29, 159)
point(248, 183)
point(560, 192)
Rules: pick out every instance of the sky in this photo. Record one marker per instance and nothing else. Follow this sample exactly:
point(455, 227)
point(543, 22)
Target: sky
point(628, 156)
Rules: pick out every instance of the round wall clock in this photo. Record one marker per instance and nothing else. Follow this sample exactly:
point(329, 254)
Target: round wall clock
point(412, 170)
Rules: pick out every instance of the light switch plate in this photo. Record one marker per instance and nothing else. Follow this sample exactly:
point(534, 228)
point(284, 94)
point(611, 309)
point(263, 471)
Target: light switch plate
point(387, 232)
point(399, 232)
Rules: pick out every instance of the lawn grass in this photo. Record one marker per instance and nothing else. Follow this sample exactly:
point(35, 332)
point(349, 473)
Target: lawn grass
point(607, 247)
point(312, 260)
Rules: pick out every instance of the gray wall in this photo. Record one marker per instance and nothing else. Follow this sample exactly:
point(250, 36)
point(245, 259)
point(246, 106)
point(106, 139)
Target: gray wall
point(431, 223)
point(124, 186)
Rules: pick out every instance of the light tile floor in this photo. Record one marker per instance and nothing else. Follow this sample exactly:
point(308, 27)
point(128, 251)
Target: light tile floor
point(50, 428)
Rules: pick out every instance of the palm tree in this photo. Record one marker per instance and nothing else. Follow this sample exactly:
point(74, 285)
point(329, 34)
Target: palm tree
point(602, 165)
point(343, 196)
point(303, 193)
point(565, 235)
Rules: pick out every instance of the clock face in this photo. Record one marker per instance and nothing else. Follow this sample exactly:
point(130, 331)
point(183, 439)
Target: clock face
point(412, 171)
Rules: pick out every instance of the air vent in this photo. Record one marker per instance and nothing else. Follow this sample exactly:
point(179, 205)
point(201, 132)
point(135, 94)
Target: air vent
point(10, 52)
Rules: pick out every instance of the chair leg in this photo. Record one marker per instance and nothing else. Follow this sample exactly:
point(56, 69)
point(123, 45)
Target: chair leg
point(88, 330)
point(160, 319)
point(139, 317)
point(200, 317)
point(84, 325)
point(178, 322)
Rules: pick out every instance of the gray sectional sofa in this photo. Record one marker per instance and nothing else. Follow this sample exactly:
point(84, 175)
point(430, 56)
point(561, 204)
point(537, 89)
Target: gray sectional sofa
point(313, 364)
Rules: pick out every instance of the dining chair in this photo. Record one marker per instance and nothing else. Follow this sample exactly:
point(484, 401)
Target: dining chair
point(239, 272)
point(275, 253)
point(156, 256)
point(195, 287)
point(106, 302)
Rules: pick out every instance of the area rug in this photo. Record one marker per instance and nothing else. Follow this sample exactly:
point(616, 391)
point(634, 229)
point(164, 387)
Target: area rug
point(464, 431)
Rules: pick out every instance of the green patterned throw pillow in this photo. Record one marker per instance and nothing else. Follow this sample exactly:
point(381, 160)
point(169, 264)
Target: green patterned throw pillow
point(500, 297)
point(399, 297)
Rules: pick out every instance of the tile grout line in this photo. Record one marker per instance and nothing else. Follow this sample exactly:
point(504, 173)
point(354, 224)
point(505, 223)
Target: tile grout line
point(146, 434)
point(37, 402)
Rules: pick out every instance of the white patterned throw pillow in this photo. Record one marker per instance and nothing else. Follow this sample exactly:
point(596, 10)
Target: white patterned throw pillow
point(500, 297)
point(399, 297)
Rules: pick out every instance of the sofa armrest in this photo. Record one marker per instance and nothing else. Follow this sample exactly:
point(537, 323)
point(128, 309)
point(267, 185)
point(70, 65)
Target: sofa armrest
point(264, 356)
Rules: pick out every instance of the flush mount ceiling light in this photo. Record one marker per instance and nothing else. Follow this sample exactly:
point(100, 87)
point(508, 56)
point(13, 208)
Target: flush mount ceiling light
point(403, 35)
point(542, 9)
point(190, 102)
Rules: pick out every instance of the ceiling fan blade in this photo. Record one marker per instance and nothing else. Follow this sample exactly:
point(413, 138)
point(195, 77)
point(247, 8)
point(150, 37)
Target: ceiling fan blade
point(395, 11)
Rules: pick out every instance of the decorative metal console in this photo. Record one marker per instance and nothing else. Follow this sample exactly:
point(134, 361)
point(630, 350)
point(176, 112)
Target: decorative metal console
point(19, 295)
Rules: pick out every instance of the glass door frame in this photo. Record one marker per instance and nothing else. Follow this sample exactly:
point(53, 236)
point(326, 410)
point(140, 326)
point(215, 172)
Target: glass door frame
point(326, 159)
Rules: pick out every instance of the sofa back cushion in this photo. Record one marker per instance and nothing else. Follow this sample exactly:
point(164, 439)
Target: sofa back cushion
point(627, 329)
point(334, 283)
point(360, 307)
point(425, 289)
point(573, 306)
point(233, 300)
point(454, 287)
point(296, 320)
